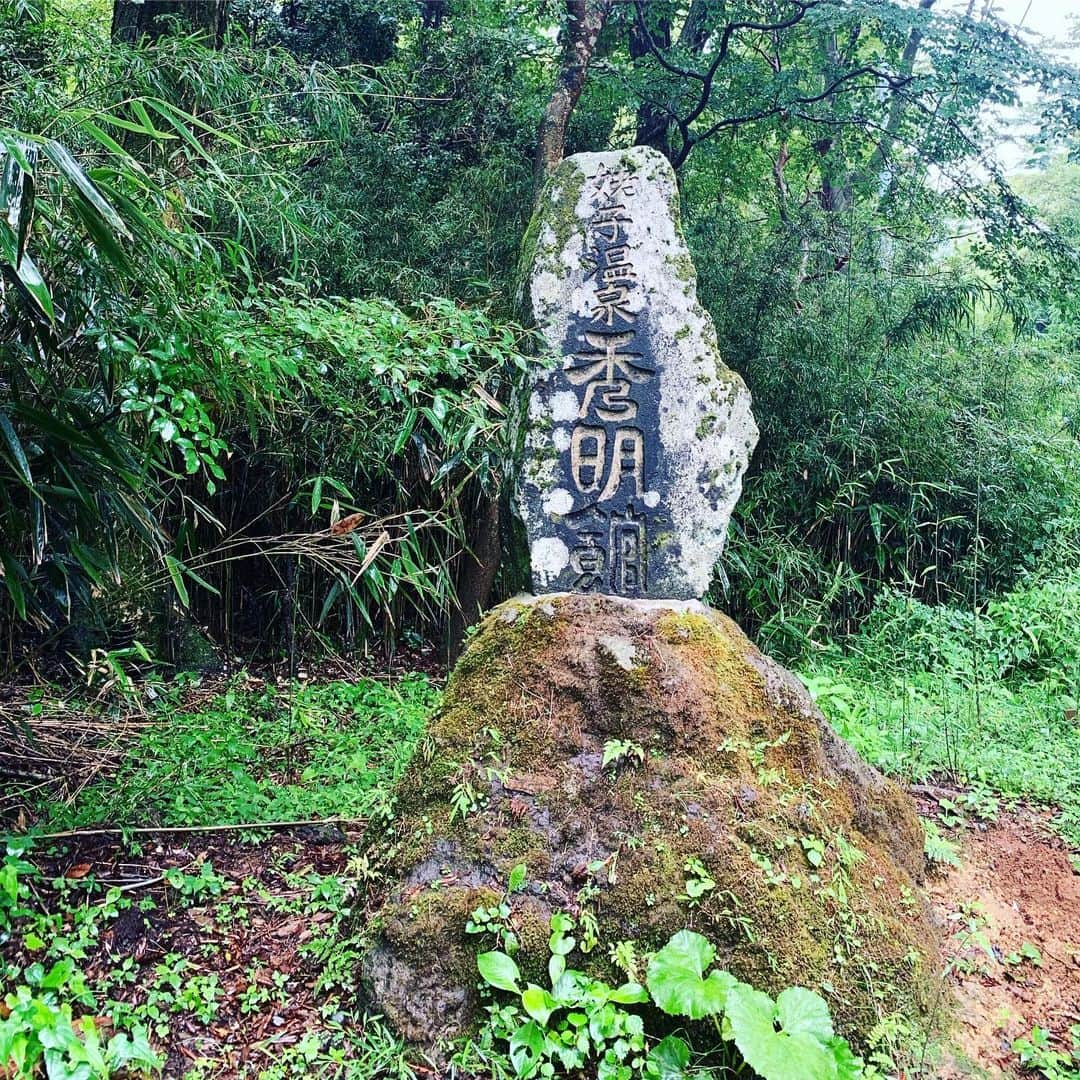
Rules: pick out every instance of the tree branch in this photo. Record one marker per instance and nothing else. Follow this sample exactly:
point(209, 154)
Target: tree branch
point(783, 106)
point(585, 20)
point(708, 77)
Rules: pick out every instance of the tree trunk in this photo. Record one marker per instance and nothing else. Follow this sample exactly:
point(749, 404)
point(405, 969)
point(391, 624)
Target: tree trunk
point(432, 13)
point(695, 30)
point(653, 121)
point(132, 20)
point(880, 160)
point(585, 20)
point(477, 572)
point(836, 191)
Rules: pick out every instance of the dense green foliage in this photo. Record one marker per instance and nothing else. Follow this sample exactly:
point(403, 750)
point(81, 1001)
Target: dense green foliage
point(175, 403)
point(60, 1021)
point(333, 749)
point(260, 366)
point(188, 407)
point(581, 1021)
point(988, 696)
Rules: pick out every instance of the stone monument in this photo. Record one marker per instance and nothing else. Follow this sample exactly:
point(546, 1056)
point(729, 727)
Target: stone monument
point(638, 436)
point(740, 810)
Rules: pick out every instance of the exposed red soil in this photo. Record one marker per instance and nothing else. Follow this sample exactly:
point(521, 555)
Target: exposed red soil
point(1015, 886)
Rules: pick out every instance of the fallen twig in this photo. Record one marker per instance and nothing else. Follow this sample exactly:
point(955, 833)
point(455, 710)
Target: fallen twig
point(195, 828)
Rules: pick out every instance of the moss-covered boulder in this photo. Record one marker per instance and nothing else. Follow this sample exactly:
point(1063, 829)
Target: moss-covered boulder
point(728, 805)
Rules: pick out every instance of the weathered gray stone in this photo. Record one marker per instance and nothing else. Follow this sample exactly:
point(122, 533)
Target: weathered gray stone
point(738, 772)
point(639, 436)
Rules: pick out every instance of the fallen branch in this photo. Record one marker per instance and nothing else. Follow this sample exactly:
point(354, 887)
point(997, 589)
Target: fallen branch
point(195, 828)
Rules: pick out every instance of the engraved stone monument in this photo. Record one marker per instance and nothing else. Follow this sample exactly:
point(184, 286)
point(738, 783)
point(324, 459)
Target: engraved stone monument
point(637, 443)
point(639, 436)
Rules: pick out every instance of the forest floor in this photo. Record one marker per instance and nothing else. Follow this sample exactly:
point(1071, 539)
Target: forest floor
point(238, 948)
point(1011, 910)
point(243, 930)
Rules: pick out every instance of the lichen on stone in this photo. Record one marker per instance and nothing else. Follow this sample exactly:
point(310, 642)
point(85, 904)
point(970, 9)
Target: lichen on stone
point(741, 777)
point(676, 340)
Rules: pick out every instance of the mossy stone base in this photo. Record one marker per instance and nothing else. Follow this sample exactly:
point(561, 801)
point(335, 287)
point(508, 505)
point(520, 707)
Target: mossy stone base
point(813, 857)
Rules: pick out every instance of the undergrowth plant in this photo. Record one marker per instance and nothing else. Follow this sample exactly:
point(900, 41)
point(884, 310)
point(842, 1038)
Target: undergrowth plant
point(48, 1020)
point(256, 752)
point(1038, 1056)
point(987, 696)
point(579, 1022)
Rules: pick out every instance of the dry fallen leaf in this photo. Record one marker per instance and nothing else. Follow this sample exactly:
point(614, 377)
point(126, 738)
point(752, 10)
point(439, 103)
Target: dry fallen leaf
point(345, 525)
point(79, 870)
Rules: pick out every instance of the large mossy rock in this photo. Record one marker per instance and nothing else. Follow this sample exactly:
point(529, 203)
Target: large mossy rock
point(814, 857)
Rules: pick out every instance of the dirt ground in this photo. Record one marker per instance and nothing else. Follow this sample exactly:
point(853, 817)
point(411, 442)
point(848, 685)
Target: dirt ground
point(264, 934)
point(1014, 888)
point(1014, 892)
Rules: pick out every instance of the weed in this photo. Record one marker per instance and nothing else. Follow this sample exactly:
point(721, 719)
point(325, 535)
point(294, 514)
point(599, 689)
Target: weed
point(251, 754)
point(622, 751)
point(699, 883)
point(464, 799)
point(985, 697)
point(939, 849)
point(1036, 1053)
point(48, 1015)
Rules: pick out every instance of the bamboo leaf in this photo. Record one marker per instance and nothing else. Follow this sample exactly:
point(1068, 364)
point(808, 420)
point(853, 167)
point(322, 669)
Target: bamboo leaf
point(139, 109)
point(74, 173)
point(176, 571)
point(173, 113)
point(13, 573)
point(12, 439)
point(109, 143)
point(29, 280)
point(17, 146)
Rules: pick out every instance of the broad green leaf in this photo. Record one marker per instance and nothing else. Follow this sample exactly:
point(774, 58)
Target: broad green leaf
point(134, 1051)
point(16, 145)
point(668, 1059)
point(331, 598)
point(526, 1046)
point(517, 878)
point(677, 982)
point(772, 1054)
point(556, 968)
point(199, 579)
point(12, 578)
point(538, 1003)
point(109, 143)
point(630, 993)
point(139, 109)
point(169, 110)
point(17, 201)
point(58, 975)
point(499, 970)
point(848, 1066)
point(801, 1010)
point(9, 242)
point(560, 943)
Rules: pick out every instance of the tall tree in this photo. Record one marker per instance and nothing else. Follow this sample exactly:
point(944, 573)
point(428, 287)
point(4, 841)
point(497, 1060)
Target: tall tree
point(135, 19)
point(584, 21)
